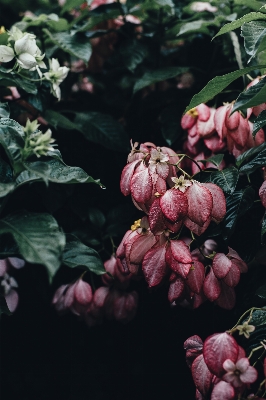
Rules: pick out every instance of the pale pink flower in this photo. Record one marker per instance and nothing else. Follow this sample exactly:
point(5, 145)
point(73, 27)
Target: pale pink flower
point(239, 374)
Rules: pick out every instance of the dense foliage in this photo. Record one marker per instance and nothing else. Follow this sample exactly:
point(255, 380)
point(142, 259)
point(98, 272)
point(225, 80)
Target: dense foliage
point(168, 98)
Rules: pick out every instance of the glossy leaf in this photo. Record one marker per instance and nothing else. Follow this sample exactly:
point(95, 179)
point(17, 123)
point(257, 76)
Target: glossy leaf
point(250, 154)
point(76, 254)
point(158, 75)
point(102, 129)
point(38, 238)
point(4, 110)
point(254, 36)
point(11, 138)
point(259, 122)
point(154, 266)
point(76, 45)
point(236, 205)
point(256, 162)
point(202, 376)
point(239, 22)
point(217, 84)
point(216, 159)
point(251, 97)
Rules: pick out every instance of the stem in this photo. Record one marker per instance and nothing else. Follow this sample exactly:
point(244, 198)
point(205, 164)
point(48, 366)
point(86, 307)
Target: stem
point(30, 79)
point(243, 315)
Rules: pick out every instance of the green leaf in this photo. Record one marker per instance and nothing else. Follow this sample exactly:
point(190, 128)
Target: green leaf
point(56, 119)
point(11, 138)
point(4, 110)
point(226, 179)
point(237, 204)
point(158, 75)
point(12, 79)
point(216, 160)
point(199, 26)
point(102, 129)
point(252, 4)
point(6, 188)
point(254, 37)
point(239, 22)
point(259, 122)
point(217, 84)
point(256, 162)
point(96, 217)
point(258, 318)
point(77, 45)
point(76, 254)
point(251, 97)
point(100, 14)
point(133, 53)
point(249, 154)
point(261, 291)
point(70, 4)
point(55, 170)
point(38, 237)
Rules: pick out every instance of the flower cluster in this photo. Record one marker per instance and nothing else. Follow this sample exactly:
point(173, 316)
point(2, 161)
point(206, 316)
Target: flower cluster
point(36, 142)
point(219, 367)
point(111, 301)
point(7, 283)
point(23, 48)
point(213, 130)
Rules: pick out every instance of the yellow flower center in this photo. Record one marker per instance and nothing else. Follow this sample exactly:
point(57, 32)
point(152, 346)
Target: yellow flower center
point(193, 112)
point(136, 225)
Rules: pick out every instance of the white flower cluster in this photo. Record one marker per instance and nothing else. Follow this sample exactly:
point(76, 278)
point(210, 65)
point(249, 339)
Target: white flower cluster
point(22, 46)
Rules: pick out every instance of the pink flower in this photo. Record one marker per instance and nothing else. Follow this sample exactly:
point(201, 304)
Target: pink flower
point(239, 373)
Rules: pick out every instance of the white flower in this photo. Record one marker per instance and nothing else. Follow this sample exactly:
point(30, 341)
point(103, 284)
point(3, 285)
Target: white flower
point(6, 53)
point(200, 6)
point(56, 75)
point(181, 183)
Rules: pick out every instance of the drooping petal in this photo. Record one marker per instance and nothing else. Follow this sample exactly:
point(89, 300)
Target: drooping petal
point(162, 170)
point(154, 265)
point(233, 276)
point(12, 300)
point(200, 203)
point(211, 286)
point(141, 186)
point(195, 277)
point(156, 218)
point(232, 121)
point(206, 128)
point(126, 177)
point(249, 376)
point(221, 265)
point(227, 297)
point(180, 251)
point(223, 391)
point(179, 268)
point(83, 293)
point(201, 375)
point(203, 111)
point(195, 228)
point(219, 202)
point(262, 194)
point(140, 247)
point(174, 205)
point(219, 119)
point(216, 349)
point(241, 133)
point(176, 289)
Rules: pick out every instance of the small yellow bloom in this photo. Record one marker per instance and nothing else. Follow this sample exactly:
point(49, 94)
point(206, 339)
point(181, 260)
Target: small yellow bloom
point(136, 225)
point(2, 30)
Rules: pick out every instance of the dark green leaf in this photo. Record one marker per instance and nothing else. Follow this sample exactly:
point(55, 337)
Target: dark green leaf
point(216, 160)
point(217, 84)
point(239, 22)
point(226, 179)
point(259, 122)
point(96, 217)
point(54, 170)
point(256, 162)
point(158, 75)
point(133, 53)
point(77, 45)
point(236, 205)
point(258, 318)
point(4, 110)
point(102, 129)
point(254, 35)
point(100, 14)
point(251, 97)
point(12, 79)
point(56, 119)
point(261, 292)
point(199, 26)
point(76, 254)
point(249, 154)
point(11, 138)
point(38, 237)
